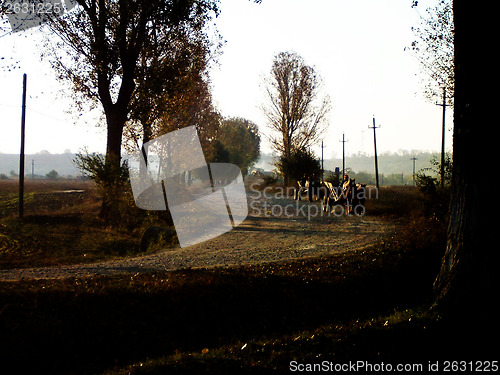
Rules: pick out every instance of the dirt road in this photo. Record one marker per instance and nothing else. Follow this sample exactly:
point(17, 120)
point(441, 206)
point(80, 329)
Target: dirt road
point(276, 229)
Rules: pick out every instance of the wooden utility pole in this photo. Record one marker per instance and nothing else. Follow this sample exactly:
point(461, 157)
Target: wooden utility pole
point(413, 175)
point(444, 105)
point(375, 145)
point(322, 168)
point(343, 154)
point(21, 156)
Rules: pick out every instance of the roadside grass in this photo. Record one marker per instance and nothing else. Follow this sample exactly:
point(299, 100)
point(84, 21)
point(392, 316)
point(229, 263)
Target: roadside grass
point(42, 186)
point(48, 240)
point(60, 226)
point(395, 201)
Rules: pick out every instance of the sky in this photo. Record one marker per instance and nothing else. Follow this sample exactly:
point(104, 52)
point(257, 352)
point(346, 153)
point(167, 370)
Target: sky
point(357, 47)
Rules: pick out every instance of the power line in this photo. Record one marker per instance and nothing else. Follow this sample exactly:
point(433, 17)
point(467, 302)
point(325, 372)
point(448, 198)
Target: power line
point(32, 109)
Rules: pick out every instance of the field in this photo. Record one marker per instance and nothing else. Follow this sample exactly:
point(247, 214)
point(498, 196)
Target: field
point(351, 289)
point(60, 227)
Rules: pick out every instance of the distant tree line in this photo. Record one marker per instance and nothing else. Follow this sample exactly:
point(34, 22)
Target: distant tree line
point(52, 175)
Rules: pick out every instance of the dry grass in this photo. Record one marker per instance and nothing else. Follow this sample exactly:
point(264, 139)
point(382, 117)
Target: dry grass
point(58, 227)
point(41, 186)
point(398, 201)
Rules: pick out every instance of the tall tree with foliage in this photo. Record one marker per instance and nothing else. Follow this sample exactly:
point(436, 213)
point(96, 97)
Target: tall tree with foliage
point(117, 53)
point(167, 85)
point(294, 110)
point(241, 140)
point(186, 101)
point(190, 103)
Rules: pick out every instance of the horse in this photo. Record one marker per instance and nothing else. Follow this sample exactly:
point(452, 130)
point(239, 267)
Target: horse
point(351, 195)
point(357, 198)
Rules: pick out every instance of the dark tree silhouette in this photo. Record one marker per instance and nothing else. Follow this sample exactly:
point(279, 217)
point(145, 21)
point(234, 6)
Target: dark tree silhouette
point(469, 277)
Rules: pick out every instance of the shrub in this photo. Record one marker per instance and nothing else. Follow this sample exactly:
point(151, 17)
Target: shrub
point(52, 175)
point(300, 163)
point(113, 186)
point(103, 174)
point(111, 183)
point(435, 197)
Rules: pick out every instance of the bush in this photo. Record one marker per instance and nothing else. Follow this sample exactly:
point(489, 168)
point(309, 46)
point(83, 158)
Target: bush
point(103, 174)
point(426, 184)
point(435, 197)
point(111, 183)
point(301, 162)
point(52, 175)
point(114, 188)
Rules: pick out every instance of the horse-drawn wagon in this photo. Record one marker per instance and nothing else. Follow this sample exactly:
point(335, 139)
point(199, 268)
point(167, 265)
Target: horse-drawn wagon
point(350, 196)
point(312, 187)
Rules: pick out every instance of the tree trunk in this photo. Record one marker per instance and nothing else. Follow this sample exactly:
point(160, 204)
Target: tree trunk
point(469, 275)
point(116, 123)
point(115, 119)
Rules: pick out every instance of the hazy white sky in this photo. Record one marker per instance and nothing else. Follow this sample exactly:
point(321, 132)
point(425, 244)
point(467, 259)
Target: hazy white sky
point(356, 46)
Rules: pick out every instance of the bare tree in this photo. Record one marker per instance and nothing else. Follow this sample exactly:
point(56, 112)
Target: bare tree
point(294, 111)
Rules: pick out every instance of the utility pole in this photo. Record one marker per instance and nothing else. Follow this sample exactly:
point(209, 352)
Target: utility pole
point(32, 169)
point(444, 105)
point(413, 175)
point(375, 145)
point(322, 167)
point(343, 154)
point(21, 156)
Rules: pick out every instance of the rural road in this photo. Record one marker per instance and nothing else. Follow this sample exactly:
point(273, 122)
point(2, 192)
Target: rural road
point(276, 229)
